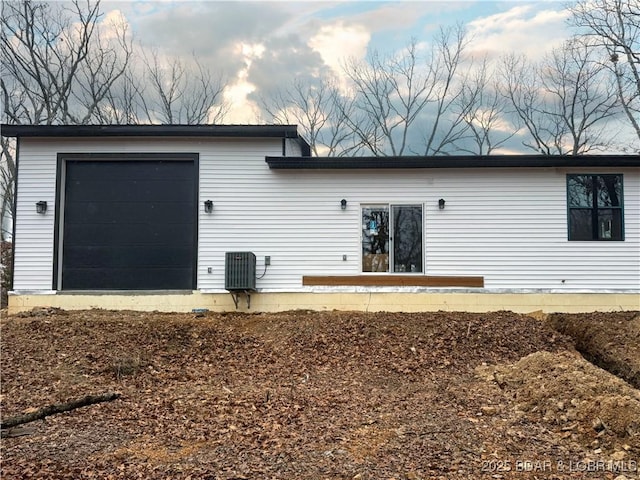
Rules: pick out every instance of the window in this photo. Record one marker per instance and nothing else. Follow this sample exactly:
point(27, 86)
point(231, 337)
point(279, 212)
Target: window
point(595, 205)
point(392, 238)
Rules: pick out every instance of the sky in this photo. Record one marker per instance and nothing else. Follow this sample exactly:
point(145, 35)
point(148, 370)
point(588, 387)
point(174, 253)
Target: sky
point(259, 46)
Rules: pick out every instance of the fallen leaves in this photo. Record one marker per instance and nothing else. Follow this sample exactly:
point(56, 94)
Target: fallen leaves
point(297, 395)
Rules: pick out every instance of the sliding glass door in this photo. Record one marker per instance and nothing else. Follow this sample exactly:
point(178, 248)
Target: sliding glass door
point(392, 238)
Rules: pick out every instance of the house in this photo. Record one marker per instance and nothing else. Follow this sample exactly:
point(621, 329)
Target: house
point(175, 218)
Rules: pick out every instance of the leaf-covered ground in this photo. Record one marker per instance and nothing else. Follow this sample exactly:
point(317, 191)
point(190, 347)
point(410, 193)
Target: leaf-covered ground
point(307, 395)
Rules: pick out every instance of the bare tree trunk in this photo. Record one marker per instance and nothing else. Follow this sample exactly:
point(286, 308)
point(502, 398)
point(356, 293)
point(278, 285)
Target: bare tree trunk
point(7, 186)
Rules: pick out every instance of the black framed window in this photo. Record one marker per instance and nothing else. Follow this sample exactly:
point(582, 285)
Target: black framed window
point(595, 207)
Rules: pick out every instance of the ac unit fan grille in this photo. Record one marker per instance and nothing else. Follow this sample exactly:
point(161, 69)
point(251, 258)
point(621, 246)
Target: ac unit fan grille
point(240, 271)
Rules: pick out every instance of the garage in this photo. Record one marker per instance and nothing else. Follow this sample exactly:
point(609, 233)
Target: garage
point(128, 223)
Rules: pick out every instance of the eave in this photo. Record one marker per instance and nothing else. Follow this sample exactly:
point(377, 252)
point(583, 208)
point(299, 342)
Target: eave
point(264, 131)
point(454, 161)
point(218, 131)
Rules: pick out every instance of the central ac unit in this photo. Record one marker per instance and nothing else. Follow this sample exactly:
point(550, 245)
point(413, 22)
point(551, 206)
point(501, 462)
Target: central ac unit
point(240, 271)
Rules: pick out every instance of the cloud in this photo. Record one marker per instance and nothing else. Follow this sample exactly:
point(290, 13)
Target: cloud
point(210, 30)
point(205, 26)
point(283, 60)
point(261, 47)
point(337, 42)
point(400, 18)
point(258, 46)
point(241, 108)
point(112, 23)
point(523, 29)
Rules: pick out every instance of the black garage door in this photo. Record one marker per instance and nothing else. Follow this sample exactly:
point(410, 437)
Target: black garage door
point(129, 225)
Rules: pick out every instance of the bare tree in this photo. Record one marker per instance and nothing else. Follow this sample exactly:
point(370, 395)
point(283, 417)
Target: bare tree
point(520, 85)
point(57, 67)
point(122, 103)
point(342, 135)
point(411, 101)
point(178, 93)
point(390, 92)
point(64, 63)
point(7, 187)
point(156, 89)
point(448, 84)
point(614, 26)
point(564, 102)
point(320, 111)
point(484, 111)
point(401, 97)
point(585, 98)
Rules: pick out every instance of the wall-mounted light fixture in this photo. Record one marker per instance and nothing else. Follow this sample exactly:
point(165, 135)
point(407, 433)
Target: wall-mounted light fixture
point(41, 207)
point(441, 204)
point(343, 204)
point(208, 206)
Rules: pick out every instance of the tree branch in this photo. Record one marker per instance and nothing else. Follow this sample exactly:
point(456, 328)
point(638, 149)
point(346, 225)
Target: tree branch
point(58, 408)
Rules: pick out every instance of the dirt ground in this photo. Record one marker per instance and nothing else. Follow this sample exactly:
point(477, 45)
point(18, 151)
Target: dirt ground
point(307, 395)
point(610, 341)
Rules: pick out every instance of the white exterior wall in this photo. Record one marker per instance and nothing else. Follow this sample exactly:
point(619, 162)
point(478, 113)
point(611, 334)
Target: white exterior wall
point(508, 225)
point(33, 235)
point(511, 227)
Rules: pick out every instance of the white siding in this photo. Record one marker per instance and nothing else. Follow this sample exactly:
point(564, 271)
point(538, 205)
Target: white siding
point(511, 227)
point(508, 225)
point(292, 148)
point(33, 234)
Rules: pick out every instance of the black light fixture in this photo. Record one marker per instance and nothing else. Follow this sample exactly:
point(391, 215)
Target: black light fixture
point(41, 207)
point(441, 204)
point(208, 206)
point(343, 204)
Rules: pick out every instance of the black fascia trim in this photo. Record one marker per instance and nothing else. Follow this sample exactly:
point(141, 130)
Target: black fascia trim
point(305, 147)
point(126, 156)
point(15, 212)
point(196, 234)
point(257, 131)
point(55, 284)
point(465, 161)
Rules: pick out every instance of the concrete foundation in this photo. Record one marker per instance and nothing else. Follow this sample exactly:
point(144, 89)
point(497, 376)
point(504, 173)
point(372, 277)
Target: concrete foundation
point(354, 301)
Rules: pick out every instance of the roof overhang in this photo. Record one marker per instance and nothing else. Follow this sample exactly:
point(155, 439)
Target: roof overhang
point(226, 131)
point(287, 131)
point(458, 161)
